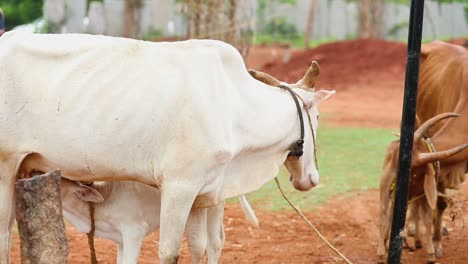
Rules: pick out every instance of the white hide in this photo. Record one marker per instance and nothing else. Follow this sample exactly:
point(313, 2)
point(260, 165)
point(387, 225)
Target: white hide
point(130, 211)
point(184, 116)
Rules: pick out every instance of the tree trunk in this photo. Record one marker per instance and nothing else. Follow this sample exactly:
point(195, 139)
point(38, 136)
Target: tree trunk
point(40, 222)
point(129, 19)
point(310, 23)
point(132, 22)
point(197, 18)
point(376, 19)
point(232, 21)
point(194, 9)
point(213, 21)
point(364, 31)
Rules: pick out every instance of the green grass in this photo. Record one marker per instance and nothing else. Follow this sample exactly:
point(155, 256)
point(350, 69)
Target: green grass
point(349, 160)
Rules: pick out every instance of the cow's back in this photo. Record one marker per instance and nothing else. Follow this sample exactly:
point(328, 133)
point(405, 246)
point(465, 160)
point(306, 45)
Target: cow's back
point(103, 99)
point(443, 84)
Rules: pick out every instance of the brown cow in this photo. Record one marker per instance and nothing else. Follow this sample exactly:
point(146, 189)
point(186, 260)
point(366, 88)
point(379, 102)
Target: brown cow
point(443, 87)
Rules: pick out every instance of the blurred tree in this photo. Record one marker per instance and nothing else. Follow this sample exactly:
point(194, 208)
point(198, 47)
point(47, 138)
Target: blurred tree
point(219, 19)
point(214, 17)
point(370, 18)
point(18, 12)
point(132, 18)
point(376, 18)
point(232, 21)
point(310, 23)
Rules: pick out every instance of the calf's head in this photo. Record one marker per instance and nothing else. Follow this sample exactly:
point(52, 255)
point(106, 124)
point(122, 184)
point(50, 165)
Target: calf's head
point(73, 192)
point(303, 168)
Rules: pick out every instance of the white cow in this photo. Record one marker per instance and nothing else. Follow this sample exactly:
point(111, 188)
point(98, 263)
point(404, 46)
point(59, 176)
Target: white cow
point(185, 117)
point(126, 212)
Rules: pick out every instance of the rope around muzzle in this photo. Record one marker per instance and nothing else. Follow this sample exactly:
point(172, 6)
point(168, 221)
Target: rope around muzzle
point(90, 235)
point(310, 224)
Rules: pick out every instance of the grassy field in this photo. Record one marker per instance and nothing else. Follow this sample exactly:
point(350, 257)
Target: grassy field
point(349, 160)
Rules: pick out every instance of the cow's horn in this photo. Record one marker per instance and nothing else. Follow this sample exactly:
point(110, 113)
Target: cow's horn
point(311, 76)
point(425, 158)
point(429, 123)
point(264, 78)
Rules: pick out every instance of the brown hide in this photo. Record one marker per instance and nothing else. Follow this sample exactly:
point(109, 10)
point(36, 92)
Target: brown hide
point(443, 87)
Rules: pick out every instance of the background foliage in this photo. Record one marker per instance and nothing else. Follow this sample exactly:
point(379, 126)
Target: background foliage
point(19, 12)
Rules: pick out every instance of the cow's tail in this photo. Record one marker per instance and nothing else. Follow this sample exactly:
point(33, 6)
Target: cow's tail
point(248, 211)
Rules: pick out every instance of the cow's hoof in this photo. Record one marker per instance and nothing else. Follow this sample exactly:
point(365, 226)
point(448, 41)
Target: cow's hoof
point(431, 259)
point(380, 259)
point(418, 244)
point(438, 252)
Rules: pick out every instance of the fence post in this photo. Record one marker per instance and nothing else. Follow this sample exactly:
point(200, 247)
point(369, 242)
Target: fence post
point(40, 222)
point(407, 131)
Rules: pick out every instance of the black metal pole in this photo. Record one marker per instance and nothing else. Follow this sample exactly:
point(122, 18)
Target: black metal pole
point(407, 130)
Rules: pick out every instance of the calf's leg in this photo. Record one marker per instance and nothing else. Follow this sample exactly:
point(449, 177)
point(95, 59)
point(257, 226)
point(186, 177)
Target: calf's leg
point(131, 245)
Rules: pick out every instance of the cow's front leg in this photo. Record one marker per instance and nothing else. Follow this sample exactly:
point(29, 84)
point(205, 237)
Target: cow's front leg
point(385, 216)
point(176, 202)
point(427, 219)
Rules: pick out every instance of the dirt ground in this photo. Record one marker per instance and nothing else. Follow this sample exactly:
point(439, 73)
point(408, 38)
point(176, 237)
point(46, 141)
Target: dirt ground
point(368, 76)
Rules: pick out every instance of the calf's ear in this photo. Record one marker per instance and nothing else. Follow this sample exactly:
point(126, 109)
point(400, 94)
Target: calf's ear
point(89, 194)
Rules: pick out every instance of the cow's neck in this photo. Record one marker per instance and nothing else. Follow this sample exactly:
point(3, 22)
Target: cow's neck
point(267, 124)
point(269, 119)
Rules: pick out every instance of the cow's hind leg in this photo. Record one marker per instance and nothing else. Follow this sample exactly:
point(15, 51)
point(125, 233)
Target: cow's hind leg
point(215, 232)
point(8, 171)
point(120, 254)
point(176, 202)
point(195, 230)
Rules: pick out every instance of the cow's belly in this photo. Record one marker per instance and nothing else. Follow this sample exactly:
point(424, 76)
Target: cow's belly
point(76, 168)
point(81, 154)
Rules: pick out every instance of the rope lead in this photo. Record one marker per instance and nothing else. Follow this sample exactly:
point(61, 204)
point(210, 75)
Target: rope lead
point(91, 234)
point(310, 224)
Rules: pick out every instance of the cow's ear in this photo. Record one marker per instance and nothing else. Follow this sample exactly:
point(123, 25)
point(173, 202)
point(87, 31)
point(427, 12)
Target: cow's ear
point(89, 194)
point(430, 188)
point(313, 99)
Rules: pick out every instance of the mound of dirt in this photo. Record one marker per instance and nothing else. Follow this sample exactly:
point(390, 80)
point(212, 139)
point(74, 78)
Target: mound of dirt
point(345, 63)
point(460, 41)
